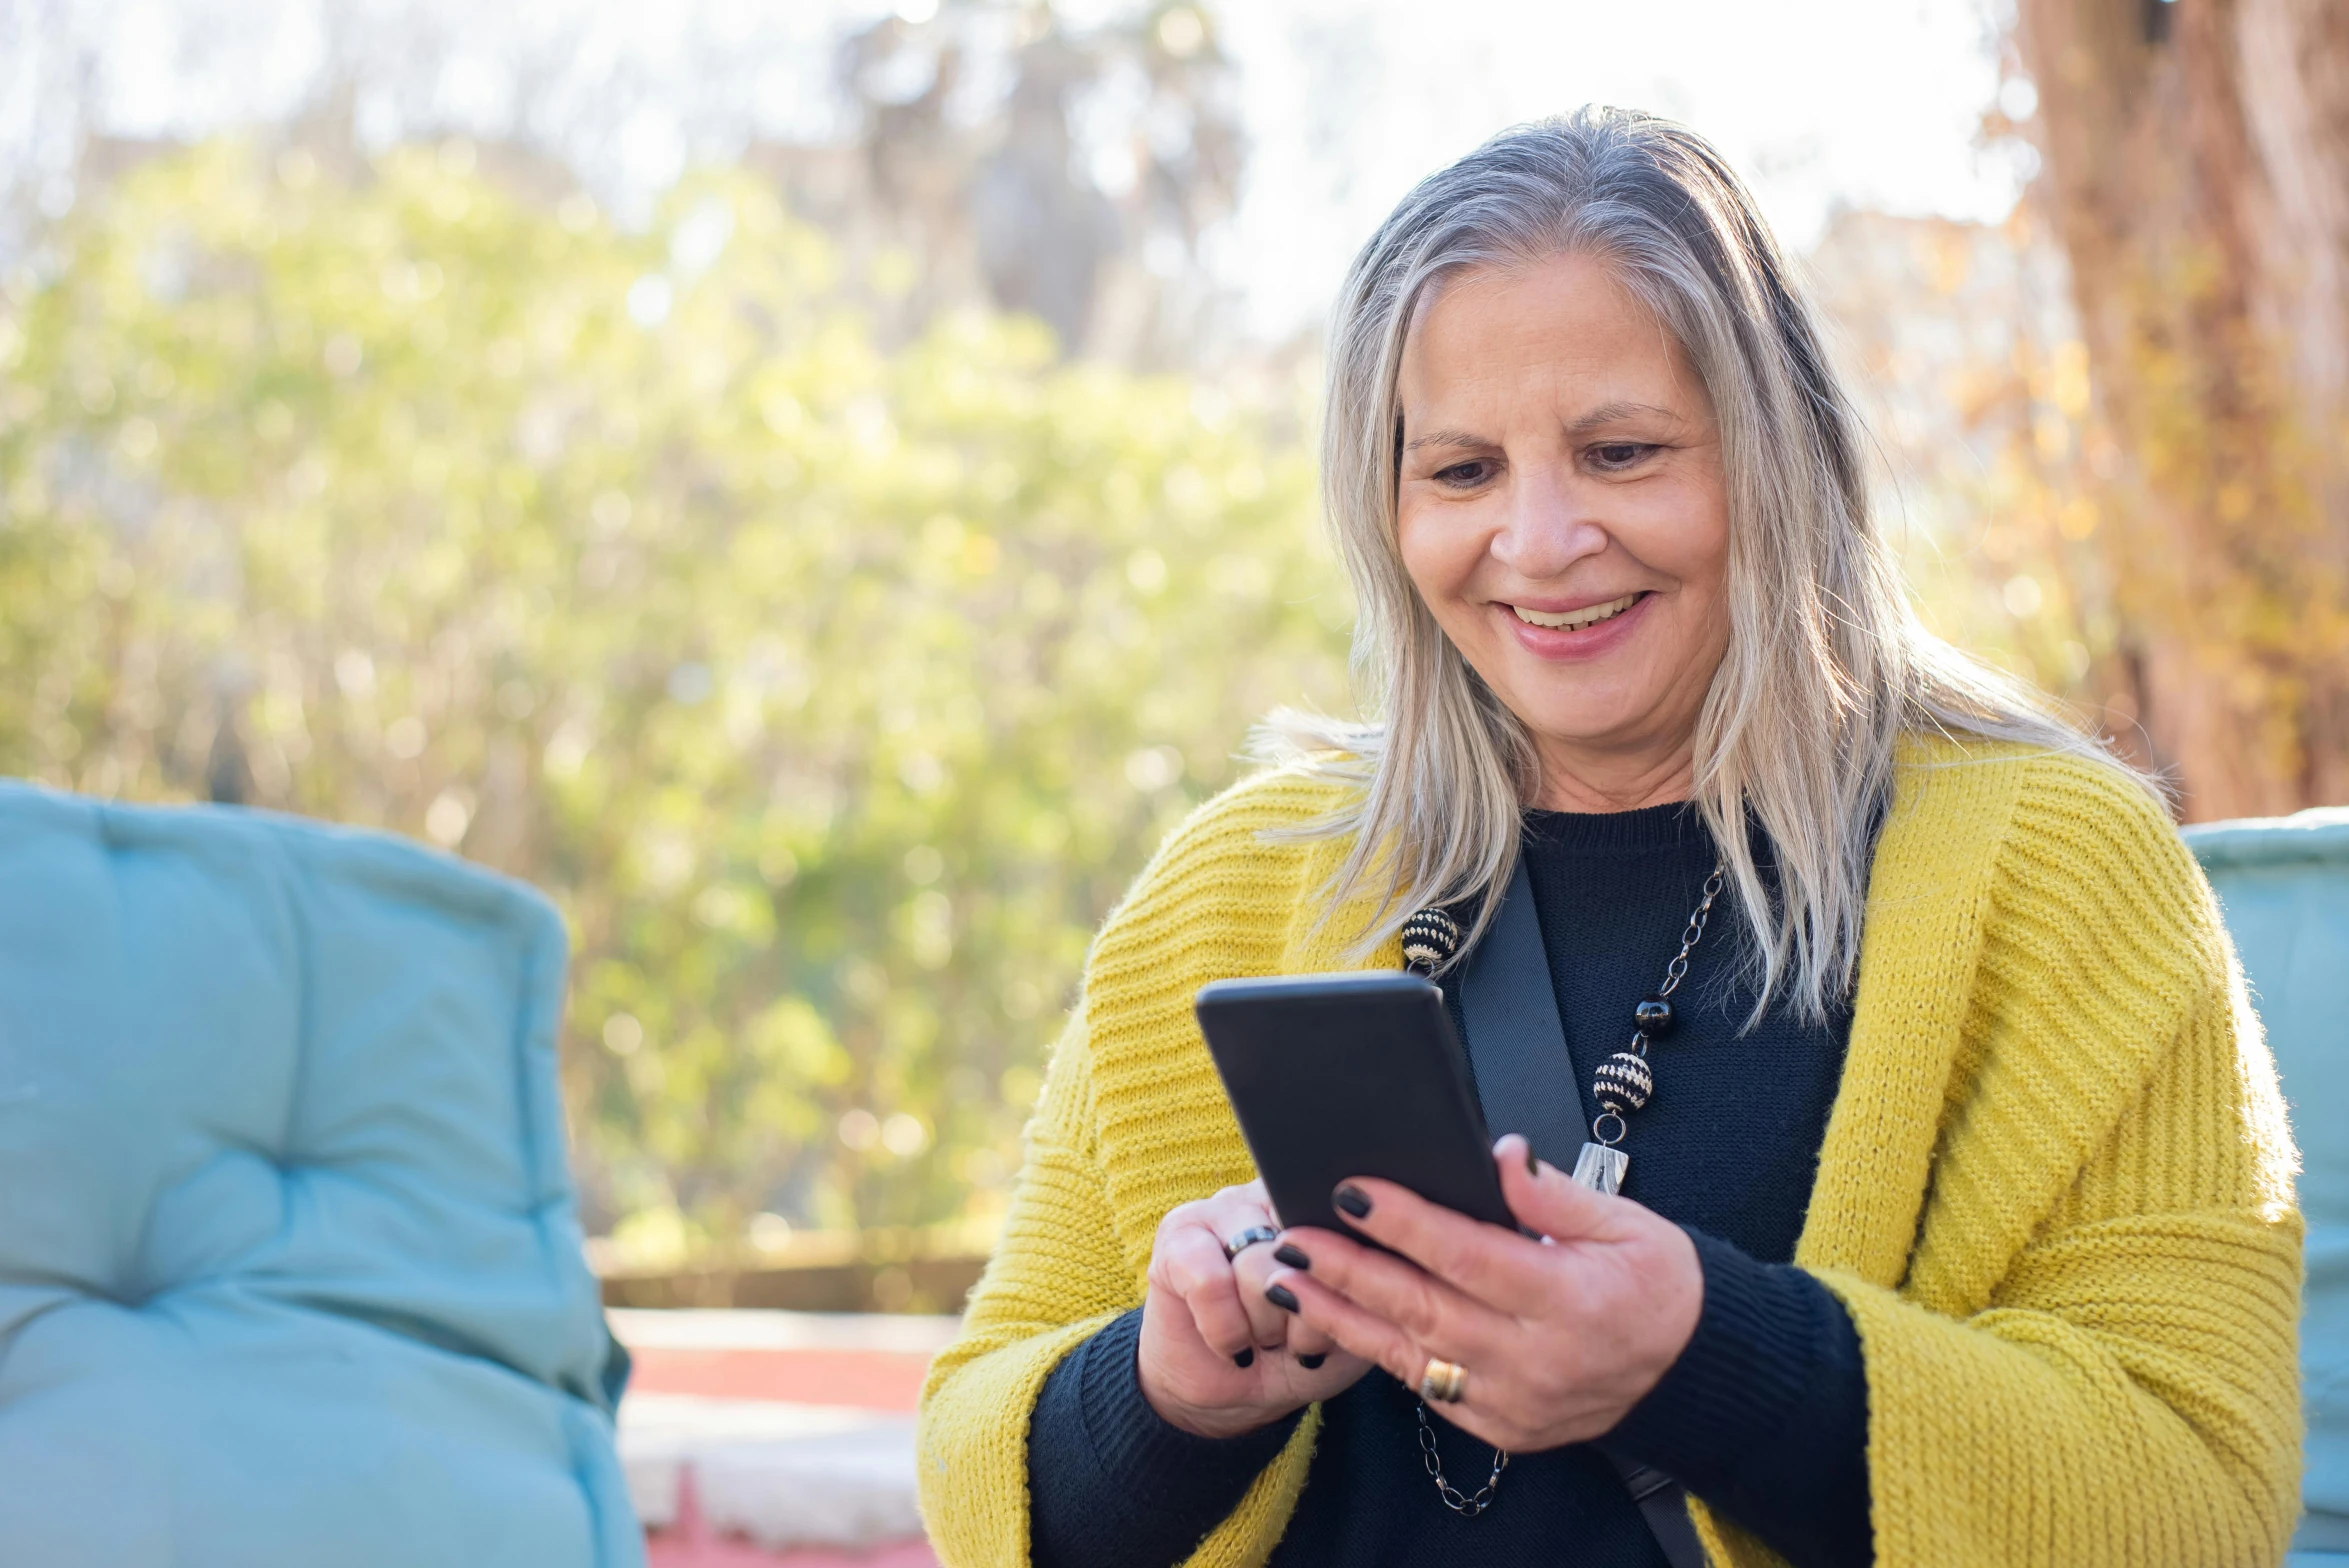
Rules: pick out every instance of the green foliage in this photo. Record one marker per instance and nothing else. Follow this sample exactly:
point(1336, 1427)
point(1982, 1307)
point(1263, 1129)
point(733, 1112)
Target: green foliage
point(833, 688)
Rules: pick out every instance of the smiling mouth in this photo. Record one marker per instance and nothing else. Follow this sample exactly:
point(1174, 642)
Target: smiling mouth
point(1576, 620)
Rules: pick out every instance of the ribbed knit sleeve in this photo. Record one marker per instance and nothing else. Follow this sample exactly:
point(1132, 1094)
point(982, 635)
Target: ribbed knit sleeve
point(1132, 1122)
point(1058, 1276)
point(1765, 1414)
point(1111, 1480)
point(2091, 1356)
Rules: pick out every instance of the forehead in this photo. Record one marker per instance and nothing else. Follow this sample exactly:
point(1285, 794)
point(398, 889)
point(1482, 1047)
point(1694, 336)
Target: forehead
point(1564, 321)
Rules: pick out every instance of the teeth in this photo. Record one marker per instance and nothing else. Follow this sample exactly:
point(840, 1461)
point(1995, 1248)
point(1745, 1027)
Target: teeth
point(1573, 620)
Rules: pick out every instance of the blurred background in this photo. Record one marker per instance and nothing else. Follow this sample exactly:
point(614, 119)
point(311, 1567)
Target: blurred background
point(820, 488)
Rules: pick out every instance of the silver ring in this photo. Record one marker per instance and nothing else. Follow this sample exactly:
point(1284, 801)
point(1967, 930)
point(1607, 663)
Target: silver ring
point(1248, 1238)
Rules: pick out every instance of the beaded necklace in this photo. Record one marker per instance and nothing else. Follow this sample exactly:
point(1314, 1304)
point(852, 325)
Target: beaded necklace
point(1620, 1085)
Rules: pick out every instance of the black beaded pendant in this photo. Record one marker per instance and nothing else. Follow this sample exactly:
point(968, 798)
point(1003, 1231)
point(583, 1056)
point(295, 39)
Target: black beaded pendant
point(1653, 1017)
point(1623, 1082)
point(1430, 938)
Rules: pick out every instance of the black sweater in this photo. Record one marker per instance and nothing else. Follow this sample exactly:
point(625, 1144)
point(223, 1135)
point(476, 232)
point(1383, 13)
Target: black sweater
point(1765, 1413)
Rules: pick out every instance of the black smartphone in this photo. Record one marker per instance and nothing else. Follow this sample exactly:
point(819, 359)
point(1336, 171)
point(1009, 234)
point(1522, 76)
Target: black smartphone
point(1344, 1075)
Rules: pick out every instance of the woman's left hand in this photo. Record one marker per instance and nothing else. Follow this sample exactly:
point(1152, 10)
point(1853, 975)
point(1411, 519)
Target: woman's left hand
point(1560, 1338)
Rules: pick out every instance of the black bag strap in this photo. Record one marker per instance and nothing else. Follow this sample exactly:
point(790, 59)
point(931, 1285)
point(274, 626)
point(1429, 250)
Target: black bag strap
point(1526, 1083)
point(1516, 1045)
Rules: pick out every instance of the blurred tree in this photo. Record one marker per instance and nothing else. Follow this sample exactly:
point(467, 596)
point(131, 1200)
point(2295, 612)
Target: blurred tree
point(834, 693)
point(1961, 339)
point(1062, 162)
point(1069, 172)
point(2197, 170)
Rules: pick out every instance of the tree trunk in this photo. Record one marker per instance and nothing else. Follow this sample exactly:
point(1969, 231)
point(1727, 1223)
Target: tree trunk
point(2196, 157)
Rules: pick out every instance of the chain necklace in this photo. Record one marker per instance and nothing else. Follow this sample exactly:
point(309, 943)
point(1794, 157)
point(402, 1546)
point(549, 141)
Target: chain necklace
point(1459, 1502)
point(1620, 1085)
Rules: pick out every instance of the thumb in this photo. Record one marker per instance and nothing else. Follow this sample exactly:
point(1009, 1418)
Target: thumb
point(1548, 1201)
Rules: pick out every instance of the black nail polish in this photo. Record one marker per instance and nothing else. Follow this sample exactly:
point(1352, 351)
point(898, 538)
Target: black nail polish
point(1281, 1296)
point(1288, 1254)
point(1352, 1199)
point(1246, 1358)
point(1312, 1363)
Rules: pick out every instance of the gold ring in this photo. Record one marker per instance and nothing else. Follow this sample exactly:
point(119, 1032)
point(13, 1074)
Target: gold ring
point(1443, 1381)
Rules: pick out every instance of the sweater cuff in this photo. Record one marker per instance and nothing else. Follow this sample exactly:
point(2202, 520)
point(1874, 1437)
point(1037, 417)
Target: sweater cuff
point(1765, 1414)
point(1112, 1479)
point(1132, 1439)
point(1752, 1362)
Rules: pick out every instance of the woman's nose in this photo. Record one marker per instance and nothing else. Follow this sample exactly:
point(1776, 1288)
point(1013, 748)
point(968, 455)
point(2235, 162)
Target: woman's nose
point(1550, 524)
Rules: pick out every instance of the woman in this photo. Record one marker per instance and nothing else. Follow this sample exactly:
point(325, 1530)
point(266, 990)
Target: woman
point(1960, 1226)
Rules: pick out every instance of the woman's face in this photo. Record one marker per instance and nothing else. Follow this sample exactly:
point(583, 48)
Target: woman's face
point(1564, 516)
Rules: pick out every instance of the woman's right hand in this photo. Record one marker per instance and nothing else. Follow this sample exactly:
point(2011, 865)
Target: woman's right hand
point(1217, 1358)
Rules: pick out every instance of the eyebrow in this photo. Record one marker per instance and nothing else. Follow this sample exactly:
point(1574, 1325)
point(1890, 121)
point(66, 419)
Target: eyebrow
point(1604, 414)
point(1445, 438)
point(1609, 413)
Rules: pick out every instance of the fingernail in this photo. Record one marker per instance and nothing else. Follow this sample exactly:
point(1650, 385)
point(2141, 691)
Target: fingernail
point(1533, 1167)
point(1288, 1254)
point(1312, 1363)
point(1246, 1358)
point(1352, 1199)
point(1281, 1296)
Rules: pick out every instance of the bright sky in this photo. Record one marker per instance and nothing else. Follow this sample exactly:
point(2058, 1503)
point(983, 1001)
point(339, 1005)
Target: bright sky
point(1818, 102)
point(1346, 102)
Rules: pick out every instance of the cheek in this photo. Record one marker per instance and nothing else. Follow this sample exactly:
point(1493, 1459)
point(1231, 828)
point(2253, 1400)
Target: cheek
point(1439, 560)
point(1687, 537)
point(1708, 564)
point(1704, 598)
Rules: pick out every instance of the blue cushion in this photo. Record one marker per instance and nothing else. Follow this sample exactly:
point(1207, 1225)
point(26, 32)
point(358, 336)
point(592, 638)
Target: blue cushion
point(2284, 886)
point(289, 1264)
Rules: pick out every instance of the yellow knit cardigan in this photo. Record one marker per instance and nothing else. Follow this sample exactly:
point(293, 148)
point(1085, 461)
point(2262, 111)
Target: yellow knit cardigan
point(2055, 1192)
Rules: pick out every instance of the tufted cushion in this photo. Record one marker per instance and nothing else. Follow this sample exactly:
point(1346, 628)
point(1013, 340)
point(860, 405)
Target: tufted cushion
point(2284, 886)
point(289, 1267)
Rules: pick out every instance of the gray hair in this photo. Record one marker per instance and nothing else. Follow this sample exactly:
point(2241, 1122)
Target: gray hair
point(1827, 665)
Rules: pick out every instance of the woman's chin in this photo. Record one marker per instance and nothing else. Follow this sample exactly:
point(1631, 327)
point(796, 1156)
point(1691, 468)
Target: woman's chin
point(1595, 709)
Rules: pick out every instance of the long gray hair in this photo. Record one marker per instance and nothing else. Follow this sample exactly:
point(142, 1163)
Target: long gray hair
point(1827, 665)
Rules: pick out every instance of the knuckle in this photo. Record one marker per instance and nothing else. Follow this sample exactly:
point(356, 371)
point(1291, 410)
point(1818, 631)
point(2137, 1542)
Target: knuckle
point(1420, 1309)
point(1208, 1284)
point(1207, 1308)
point(1188, 1272)
point(1182, 1242)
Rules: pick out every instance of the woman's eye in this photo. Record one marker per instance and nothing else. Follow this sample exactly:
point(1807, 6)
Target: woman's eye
point(1462, 476)
point(1619, 454)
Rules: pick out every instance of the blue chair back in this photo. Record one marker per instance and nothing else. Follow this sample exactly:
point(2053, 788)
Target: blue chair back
point(2283, 884)
point(289, 1266)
